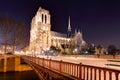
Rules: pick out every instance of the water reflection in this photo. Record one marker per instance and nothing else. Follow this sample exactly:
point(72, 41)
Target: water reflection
point(26, 75)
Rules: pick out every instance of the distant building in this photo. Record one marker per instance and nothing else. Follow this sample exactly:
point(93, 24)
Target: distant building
point(101, 50)
point(9, 49)
point(42, 38)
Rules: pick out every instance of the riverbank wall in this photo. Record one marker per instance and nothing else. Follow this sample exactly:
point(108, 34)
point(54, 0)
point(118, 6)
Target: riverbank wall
point(12, 63)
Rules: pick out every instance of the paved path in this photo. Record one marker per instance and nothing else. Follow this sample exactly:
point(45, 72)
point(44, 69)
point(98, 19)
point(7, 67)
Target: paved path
point(109, 63)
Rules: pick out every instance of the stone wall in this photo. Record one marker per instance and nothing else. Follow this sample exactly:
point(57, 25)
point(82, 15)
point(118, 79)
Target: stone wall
point(96, 56)
point(12, 63)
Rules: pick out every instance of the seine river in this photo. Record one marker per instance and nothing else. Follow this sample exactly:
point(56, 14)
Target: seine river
point(27, 75)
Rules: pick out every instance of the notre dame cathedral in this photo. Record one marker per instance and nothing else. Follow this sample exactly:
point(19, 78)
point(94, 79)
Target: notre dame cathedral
point(42, 37)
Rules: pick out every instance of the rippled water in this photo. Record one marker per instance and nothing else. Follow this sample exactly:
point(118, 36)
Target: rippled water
point(26, 75)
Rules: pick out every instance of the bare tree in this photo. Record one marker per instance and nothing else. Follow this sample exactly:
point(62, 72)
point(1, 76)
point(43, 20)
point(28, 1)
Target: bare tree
point(112, 49)
point(5, 26)
point(19, 34)
point(14, 32)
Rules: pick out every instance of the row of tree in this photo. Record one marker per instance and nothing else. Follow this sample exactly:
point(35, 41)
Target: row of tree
point(13, 32)
point(110, 50)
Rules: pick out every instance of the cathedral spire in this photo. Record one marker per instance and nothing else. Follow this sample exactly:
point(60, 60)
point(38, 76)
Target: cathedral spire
point(78, 30)
point(75, 31)
point(69, 26)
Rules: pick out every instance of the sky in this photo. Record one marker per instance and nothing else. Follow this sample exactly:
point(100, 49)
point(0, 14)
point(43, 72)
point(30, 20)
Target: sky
point(98, 20)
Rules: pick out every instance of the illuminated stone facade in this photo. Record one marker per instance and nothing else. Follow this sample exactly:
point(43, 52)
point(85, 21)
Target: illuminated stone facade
point(41, 36)
point(9, 49)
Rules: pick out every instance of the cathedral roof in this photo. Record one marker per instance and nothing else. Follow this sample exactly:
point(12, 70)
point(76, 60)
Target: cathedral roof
point(57, 34)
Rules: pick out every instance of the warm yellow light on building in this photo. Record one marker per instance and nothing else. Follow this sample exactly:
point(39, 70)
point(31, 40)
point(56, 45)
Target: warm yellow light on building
point(41, 36)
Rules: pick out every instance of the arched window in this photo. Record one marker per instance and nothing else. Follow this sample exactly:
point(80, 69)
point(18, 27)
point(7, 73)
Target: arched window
point(45, 19)
point(42, 17)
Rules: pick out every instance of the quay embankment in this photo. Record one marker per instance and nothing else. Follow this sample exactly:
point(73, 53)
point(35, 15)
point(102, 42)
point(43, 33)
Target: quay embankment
point(12, 63)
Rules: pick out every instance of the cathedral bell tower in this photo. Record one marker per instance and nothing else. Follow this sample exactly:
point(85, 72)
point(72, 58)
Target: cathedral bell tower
point(40, 28)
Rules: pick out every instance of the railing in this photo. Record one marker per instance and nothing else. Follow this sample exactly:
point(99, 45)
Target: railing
point(77, 71)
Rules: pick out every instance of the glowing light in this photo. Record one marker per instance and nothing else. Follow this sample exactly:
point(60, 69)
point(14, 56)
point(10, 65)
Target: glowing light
point(27, 52)
point(44, 28)
point(48, 49)
point(22, 52)
point(75, 50)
